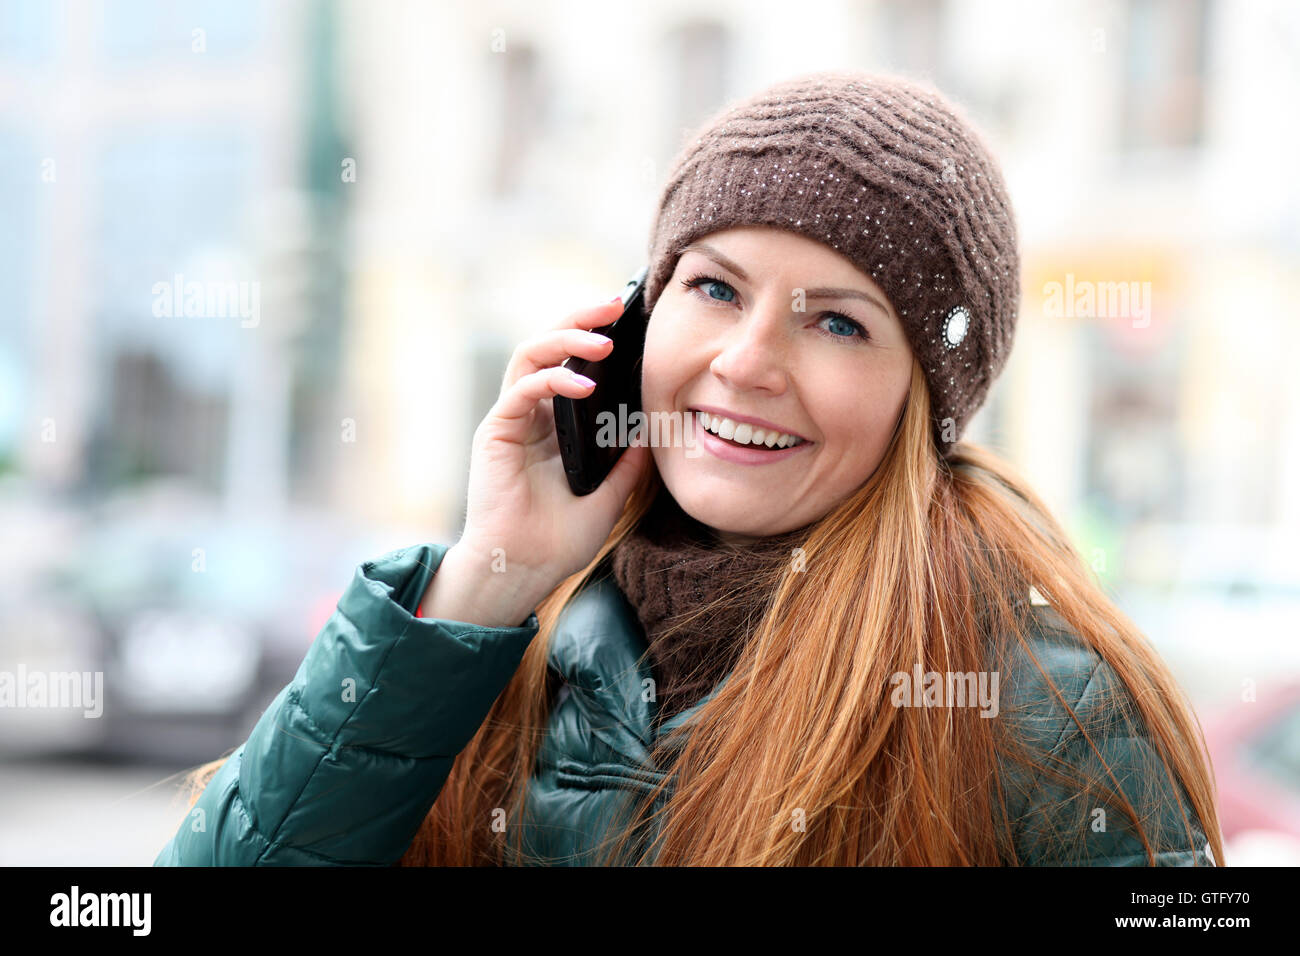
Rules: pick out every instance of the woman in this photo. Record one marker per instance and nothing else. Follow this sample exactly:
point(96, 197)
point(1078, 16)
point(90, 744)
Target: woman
point(857, 640)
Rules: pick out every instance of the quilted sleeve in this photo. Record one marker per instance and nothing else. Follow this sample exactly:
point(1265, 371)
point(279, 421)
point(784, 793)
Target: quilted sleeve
point(344, 765)
point(1058, 825)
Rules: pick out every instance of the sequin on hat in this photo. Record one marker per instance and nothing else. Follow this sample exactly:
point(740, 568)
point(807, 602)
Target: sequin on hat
point(954, 327)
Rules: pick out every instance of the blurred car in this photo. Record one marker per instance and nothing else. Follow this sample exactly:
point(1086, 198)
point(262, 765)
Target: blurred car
point(1221, 603)
point(41, 633)
point(1255, 746)
point(195, 617)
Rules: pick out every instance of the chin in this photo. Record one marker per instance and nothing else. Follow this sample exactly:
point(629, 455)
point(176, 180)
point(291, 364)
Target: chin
point(723, 503)
point(721, 513)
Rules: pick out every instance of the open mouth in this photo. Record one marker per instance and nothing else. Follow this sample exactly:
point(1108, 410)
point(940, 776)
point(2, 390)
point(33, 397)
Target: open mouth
point(744, 435)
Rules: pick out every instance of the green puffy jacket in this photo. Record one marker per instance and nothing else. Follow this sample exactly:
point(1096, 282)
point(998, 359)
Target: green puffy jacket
point(345, 763)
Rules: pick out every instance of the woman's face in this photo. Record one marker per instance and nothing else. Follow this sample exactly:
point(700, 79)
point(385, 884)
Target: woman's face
point(777, 327)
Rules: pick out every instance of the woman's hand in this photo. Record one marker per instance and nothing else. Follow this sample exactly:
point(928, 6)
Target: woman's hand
point(522, 520)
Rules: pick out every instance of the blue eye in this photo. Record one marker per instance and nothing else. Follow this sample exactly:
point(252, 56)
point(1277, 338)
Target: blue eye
point(709, 280)
point(851, 329)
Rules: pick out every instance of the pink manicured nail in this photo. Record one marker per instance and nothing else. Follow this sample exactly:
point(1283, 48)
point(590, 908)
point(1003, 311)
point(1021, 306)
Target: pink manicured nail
point(583, 380)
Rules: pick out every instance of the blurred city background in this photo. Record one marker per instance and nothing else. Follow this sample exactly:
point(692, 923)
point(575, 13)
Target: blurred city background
point(398, 193)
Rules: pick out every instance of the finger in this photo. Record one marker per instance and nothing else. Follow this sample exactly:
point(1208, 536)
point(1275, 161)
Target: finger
point(510, 415)
point(554, 348)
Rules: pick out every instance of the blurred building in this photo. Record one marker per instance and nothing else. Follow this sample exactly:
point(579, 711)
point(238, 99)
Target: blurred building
point(418, 187)
point(147, 145)
point(510, 168)
point(375, 203)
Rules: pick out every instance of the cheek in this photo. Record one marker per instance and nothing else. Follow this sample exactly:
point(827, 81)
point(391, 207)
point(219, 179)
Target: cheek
point(659, 372)
point(860, 428)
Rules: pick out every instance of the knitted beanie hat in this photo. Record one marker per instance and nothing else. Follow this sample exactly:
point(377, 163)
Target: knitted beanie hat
point(891, 175)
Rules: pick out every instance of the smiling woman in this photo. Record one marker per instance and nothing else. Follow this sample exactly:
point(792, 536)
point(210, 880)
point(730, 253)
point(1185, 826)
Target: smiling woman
point(712, 670)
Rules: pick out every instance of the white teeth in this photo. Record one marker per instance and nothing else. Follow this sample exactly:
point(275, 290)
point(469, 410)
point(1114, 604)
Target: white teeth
point(744, 433)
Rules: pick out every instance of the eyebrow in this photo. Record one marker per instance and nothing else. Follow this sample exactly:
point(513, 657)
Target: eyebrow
point(822, 292)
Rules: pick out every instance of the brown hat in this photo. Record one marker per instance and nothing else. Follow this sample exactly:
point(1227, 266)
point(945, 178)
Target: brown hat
point(890, 174)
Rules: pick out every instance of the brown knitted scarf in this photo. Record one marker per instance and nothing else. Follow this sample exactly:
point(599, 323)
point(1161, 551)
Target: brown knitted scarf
point(673, 564)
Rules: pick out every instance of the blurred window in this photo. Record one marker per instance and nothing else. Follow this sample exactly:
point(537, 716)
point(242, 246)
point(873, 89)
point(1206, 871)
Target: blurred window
point(168, 194)
point(29, 32)
point(136, 30)
point(1134, 459)
point(171, 202)
point(159, 427)
point(22, 207)
point(1164, 73)
point(522, 110)
point(699, 54)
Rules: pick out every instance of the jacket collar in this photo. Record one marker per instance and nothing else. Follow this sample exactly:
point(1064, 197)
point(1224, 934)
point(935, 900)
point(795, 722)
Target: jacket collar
point(598, 648)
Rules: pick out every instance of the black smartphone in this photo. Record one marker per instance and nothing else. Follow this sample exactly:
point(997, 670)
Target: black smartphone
point(579, 421)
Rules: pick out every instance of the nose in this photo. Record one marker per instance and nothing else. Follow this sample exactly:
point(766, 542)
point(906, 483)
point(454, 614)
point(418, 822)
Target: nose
point(755, 351)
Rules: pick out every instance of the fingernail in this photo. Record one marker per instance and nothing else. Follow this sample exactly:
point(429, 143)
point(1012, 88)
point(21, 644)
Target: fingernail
point(583, 380)
point(617, 298)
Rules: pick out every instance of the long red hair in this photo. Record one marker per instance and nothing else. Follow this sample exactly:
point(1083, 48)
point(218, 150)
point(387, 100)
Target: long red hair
point(923, 565)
